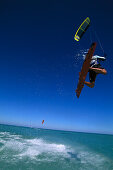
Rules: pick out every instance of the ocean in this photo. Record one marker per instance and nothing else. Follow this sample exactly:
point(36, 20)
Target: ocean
point(24, 148)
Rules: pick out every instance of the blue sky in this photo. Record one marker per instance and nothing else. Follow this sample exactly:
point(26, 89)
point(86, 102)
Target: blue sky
point(39, 68)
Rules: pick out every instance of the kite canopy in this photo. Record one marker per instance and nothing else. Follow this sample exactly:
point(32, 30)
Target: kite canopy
point(42, 122)
point(82, 29)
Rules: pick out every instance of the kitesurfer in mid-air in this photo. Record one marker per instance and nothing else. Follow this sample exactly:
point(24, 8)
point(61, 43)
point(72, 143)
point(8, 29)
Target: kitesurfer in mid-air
point(94, 69)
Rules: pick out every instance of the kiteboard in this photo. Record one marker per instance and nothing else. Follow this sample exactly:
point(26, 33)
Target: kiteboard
point(85, 68)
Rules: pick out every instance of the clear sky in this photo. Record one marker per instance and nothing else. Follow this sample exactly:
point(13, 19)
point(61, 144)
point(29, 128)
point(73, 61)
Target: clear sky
point(39, 65)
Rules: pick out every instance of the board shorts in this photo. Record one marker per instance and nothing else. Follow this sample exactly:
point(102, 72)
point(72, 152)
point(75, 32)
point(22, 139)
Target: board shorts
point(93, 74)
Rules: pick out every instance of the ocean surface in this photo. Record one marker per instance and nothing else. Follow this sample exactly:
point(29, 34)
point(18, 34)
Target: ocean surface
point(23, 148)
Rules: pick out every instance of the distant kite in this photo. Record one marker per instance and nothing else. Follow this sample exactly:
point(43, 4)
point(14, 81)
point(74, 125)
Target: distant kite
point(42, 122)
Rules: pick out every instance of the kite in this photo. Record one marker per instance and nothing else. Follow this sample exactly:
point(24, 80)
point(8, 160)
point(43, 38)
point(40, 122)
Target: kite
point(42, 122)
point(82, 29)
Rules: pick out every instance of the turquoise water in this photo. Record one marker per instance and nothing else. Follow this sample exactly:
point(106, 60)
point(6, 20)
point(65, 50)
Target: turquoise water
point(23, 148)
